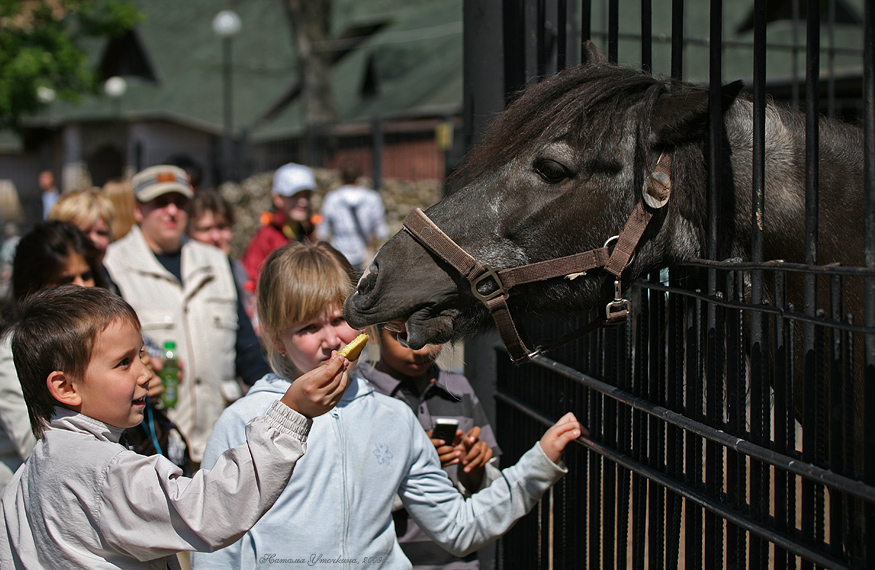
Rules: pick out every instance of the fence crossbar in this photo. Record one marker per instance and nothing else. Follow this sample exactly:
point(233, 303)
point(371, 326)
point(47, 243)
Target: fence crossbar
point(652, 474)
point(781, 461)
point(759, 308)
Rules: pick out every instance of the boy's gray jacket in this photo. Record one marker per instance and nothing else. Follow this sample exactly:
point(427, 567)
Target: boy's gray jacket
point(336, 510)
point(83, 501)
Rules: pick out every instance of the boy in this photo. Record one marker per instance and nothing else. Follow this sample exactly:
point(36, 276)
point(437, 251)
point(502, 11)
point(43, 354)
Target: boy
point(413, 377)
point(82, 500)
point(291, 219)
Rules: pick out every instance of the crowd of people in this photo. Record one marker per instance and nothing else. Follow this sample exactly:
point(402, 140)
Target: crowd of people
point(277, 448)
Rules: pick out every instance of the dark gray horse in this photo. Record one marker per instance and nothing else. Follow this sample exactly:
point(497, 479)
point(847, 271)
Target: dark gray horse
point(562, 169)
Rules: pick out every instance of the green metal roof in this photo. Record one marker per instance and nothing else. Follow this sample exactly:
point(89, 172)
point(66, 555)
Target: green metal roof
point(417, 56)
point(413, 62)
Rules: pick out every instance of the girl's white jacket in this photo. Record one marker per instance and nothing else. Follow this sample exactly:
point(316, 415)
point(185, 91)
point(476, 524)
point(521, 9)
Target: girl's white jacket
point(335, 511)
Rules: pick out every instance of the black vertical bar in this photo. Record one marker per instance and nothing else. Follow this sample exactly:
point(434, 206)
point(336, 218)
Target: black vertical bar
point(540, 38)
point(794, 66)
point(695, 397)
point(793, 373)
point(484, 90)
point(639, 485)
point(609, 501)
point(561, 35)
point(810, 413)
point(530, 36)
point(613, 30)
point(831, 54)
point(625, 446)
point(784, 419)
point(714, 355)
point(759, 135)
point(595, 489)
point(677, 35)
point(656, 429)
point(849, 439)
point(646, 36)
point(714, 465)
point(869, 282)
point(514, 41)
point(715, 141)
point(674, 440)
point(585, 20)
point(736, 393)
point(836, 401)
point(759, 382)
point(812, 140)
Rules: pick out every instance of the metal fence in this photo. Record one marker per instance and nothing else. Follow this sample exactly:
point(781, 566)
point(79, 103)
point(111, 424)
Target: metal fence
point(728, 427)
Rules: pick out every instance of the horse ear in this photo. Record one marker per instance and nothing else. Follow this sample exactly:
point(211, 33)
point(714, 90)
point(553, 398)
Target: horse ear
point(681, 117)
point(591, 54)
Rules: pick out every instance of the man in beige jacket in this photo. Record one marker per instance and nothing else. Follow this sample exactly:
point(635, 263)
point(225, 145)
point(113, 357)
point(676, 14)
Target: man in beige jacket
point(184, 291)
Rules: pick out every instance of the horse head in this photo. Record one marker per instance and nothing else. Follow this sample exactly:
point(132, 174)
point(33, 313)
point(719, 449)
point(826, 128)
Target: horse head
point(558, 173)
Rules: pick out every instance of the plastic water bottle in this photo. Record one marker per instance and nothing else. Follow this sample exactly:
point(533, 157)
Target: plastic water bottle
point(170, 376)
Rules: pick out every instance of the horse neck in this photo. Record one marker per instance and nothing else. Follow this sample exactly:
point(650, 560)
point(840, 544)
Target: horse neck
point(784, 229)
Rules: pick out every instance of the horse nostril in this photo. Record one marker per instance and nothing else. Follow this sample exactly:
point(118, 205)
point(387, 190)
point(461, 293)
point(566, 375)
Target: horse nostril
point(368, 280)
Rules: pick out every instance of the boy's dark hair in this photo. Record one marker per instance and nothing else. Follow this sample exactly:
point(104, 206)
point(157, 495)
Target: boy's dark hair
point(56, 329)
point(210, 201)
point(350, 171)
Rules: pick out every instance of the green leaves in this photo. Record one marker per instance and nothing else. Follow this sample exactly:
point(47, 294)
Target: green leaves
point(41, 47)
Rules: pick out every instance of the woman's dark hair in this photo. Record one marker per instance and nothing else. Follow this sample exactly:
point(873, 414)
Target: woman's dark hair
point(42, 255)
point(210, 201)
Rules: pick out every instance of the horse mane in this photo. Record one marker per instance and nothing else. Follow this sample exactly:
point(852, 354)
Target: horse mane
point(581, 103)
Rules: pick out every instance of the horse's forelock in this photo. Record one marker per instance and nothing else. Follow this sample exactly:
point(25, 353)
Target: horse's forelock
point(582, 103)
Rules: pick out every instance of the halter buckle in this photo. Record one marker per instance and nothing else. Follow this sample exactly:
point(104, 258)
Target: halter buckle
point(490, 273)
point(618, 310)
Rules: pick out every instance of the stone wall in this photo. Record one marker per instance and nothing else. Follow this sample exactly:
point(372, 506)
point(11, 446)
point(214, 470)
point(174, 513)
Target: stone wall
point(251, 197)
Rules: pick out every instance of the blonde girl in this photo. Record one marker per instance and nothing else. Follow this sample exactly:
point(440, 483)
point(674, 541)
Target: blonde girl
point(336, 510)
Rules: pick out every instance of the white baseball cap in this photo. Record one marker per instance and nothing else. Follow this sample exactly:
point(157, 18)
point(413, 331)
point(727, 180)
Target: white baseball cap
point(292, 178)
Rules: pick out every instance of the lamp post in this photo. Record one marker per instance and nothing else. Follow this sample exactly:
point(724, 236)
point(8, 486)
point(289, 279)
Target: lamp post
point(226, 25)
point(115, 88)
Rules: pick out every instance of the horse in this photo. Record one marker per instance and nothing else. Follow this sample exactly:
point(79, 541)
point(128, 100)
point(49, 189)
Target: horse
point(565, 168)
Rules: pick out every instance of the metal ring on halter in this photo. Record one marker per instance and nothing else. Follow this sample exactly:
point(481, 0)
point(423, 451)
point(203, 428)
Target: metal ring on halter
point(617, 238)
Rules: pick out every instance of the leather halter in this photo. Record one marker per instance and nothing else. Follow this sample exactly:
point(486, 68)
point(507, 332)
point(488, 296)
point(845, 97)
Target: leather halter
point(656, 191)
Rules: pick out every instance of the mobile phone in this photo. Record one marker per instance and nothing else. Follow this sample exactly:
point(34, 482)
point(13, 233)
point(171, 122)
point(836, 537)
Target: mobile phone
point(445, 429)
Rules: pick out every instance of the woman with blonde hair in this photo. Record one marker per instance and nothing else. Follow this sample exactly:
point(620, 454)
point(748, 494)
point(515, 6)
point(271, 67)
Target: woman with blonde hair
point(90, 211)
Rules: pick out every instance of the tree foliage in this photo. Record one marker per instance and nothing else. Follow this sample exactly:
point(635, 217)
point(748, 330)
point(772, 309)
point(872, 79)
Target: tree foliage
point(42, 53)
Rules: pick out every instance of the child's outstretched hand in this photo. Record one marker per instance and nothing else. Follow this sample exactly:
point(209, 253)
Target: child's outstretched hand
point(314, 393)
point(567, 429)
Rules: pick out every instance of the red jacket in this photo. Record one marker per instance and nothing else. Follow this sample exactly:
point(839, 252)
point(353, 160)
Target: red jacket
point(272, 235)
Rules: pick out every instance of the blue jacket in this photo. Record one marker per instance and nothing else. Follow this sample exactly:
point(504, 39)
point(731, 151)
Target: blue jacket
point(336, 509)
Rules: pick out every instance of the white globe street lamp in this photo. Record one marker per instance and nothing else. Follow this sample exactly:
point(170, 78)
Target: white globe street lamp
point(115, 87)
point(226, 24)
point(45, 94)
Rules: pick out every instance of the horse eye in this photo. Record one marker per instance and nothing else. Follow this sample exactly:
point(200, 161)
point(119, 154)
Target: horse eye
point(551, 171)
